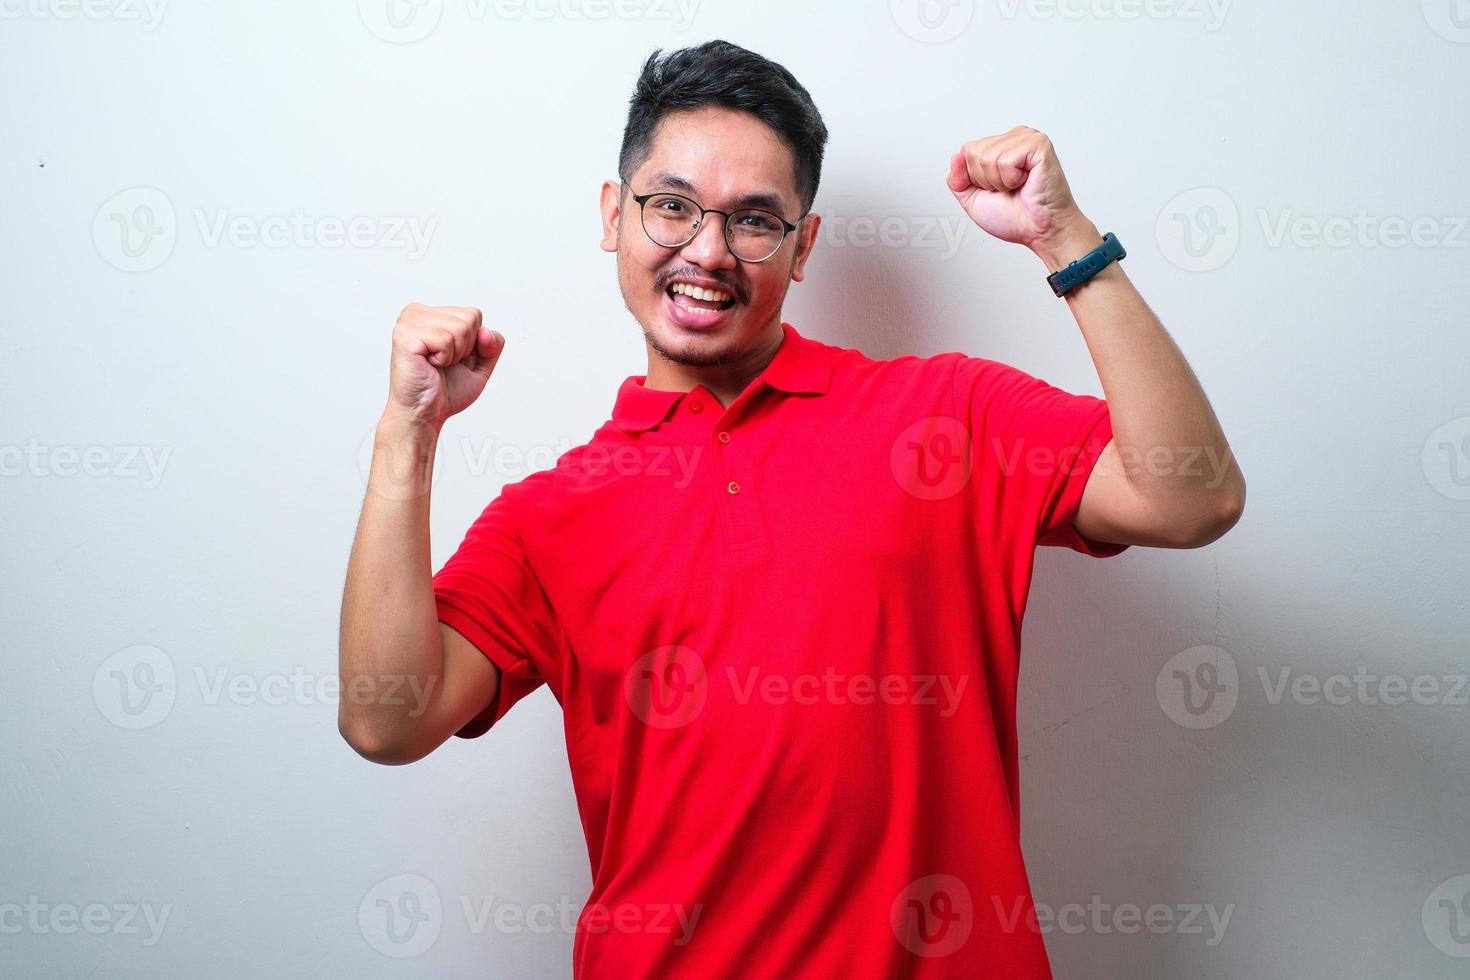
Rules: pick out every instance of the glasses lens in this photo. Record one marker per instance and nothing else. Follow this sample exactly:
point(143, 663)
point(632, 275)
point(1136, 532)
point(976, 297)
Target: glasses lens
point(669, 219)
point(672, 220)
point(755, 235)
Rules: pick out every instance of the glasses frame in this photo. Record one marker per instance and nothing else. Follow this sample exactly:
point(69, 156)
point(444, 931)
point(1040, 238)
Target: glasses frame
point(786, 226)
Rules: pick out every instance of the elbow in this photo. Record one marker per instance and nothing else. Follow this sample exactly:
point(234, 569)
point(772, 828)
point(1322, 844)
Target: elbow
point(372, 745)
point(1232, 506)
point(1227, 512)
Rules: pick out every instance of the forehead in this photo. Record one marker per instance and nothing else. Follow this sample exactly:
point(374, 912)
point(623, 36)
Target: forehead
point(721, 157)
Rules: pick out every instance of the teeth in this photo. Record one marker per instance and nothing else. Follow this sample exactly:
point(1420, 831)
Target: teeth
point(700, 293)
point(701, 310)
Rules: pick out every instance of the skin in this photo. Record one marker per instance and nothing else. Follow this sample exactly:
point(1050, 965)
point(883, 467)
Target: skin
point(1167, 478)
point(390, 639)
point(723, 155)
point(1147, 488)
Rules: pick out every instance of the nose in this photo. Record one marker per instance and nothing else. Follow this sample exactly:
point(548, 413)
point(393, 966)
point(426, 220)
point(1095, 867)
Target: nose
point(708, 248)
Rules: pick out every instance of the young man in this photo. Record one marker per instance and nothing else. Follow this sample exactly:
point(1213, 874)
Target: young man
point(779, 593)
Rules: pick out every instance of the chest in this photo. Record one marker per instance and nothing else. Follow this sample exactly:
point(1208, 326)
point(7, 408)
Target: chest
point(688, 538)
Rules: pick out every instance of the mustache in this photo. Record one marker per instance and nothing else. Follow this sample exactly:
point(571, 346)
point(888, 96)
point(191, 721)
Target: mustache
point(725, 284)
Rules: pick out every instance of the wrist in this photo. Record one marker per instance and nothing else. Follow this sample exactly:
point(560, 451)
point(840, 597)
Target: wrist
point(396, 425)
point(407, 423)
point(404, 449)
point(1067, 243)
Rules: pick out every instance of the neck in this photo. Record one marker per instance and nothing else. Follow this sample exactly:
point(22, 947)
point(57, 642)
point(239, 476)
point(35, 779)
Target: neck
point(725, 380)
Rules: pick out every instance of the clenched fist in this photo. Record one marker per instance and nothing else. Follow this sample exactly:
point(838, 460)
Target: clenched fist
point(442, 357)
point(1012, 186)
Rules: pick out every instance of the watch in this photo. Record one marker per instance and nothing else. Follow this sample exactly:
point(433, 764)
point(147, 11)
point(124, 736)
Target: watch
point(1074, 275)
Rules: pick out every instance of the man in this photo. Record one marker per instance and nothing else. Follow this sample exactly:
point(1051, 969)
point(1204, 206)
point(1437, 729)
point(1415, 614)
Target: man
point(779, 593)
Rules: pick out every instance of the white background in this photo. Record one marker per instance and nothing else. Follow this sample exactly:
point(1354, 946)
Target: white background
point(1212, 141)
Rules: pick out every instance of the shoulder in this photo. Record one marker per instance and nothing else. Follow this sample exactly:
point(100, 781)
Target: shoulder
point(853, 362)
point(570, 484)
point(948, 376)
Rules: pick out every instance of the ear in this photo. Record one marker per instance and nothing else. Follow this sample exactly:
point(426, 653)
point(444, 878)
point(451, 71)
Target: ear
point(806, 240)
point(612, 209)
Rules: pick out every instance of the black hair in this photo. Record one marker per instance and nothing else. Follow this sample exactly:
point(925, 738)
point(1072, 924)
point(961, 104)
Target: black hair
point(720, 73)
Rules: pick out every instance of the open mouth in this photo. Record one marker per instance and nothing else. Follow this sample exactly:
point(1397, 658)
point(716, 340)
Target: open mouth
point(699, 299)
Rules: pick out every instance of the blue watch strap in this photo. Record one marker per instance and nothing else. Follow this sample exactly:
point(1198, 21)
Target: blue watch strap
point(1111, 250)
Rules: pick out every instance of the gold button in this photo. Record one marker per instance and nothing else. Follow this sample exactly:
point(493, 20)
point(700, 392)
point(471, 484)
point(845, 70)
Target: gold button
point(724, 437)
point(696, 406)
point(733, 487)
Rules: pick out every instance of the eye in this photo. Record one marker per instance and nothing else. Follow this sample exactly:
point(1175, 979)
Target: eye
point(756, 221)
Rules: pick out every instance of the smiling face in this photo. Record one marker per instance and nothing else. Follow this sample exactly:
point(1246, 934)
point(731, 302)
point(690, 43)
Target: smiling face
point(722, 159)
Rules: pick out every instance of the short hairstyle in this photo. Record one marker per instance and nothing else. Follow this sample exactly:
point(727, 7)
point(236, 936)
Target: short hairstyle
point(719, 73)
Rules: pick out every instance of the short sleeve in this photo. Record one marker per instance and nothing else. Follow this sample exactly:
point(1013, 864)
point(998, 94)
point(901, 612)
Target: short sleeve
point(488, 592)
point(1033, 447)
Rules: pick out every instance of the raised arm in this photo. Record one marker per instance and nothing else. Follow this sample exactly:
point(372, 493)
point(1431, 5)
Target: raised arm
point(408, 682)
point(1168, 478)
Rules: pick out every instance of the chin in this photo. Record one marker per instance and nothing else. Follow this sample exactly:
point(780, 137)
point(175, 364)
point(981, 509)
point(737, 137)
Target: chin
point(693, 346)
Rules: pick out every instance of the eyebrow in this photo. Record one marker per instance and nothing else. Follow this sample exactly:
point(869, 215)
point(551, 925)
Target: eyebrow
point(766, 200)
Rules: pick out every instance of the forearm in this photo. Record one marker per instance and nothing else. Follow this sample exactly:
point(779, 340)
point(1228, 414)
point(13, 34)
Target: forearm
point(390, 651)
point(1166, 435)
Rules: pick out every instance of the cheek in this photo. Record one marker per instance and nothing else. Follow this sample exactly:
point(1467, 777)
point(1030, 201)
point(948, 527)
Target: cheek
point(767, 286)
point(637, 270)
point(644, 259)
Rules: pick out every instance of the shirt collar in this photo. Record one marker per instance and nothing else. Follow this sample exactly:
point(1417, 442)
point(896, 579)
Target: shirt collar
point(800, 365)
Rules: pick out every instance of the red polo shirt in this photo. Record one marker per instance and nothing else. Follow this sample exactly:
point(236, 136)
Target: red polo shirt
point(785, 639)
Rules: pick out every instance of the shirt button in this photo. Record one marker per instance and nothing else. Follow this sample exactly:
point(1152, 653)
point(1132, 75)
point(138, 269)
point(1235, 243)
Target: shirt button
point(696, 406)
point(724, 437)
point(733, 487)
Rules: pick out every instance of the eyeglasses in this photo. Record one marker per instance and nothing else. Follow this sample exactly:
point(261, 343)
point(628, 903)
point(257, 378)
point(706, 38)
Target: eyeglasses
point(672, 221)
